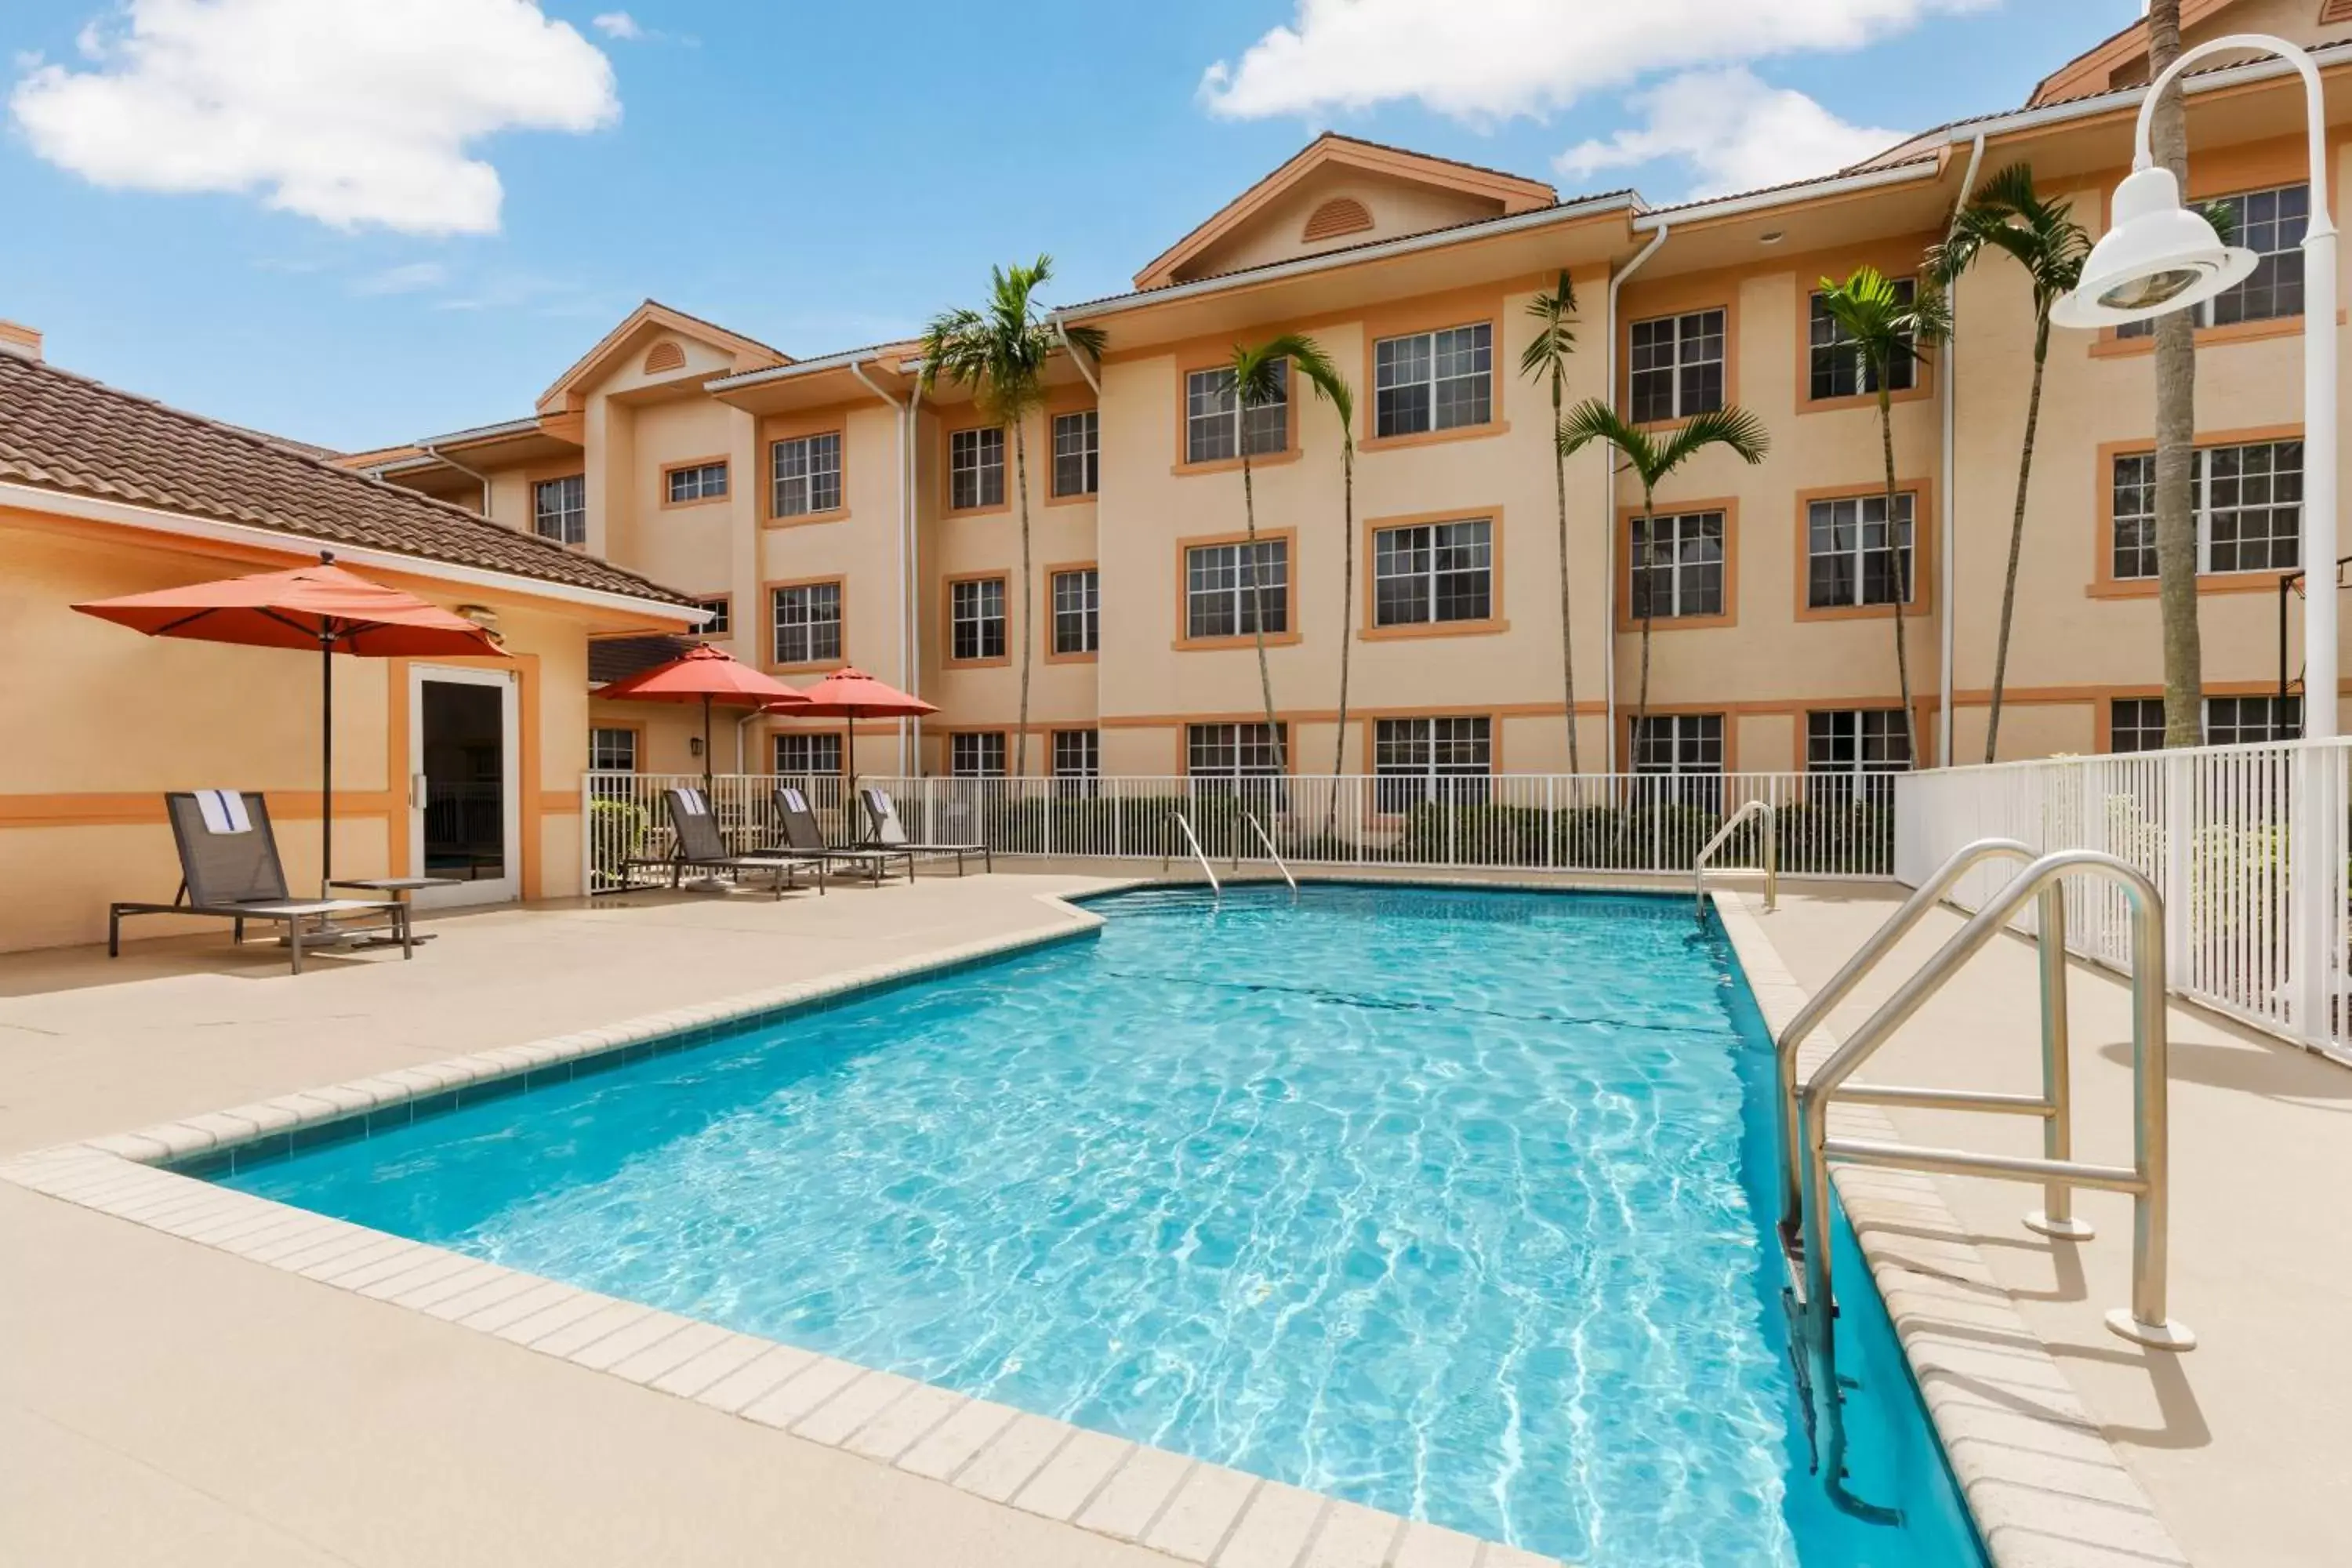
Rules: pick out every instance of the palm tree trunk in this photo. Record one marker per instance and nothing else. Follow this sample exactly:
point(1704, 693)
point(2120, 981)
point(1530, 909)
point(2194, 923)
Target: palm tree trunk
point(2176, 430)
point(1257, 611)
point(1649, 613)
point(1566, 605)
point(1347, 624)
point(2017, 533)
point(1028, 591)
point(1899, 558)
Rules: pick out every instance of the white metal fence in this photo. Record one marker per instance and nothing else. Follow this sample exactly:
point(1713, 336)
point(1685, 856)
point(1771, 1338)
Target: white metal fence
point(2247, 844)
point(1827, 826)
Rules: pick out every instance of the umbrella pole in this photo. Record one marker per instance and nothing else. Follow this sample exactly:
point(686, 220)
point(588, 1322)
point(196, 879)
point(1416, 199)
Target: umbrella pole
point(706, 745)
point(848, 771)
point(326, 761)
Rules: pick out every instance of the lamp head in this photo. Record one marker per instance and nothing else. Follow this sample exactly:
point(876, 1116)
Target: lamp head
point(2158, 257)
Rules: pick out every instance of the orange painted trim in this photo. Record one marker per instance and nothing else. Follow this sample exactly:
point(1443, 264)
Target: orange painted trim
point(1013, 448)
point(1434, 313)
point(559, 802)
point(1286, 736)
point(1356, 713)
point(1367, 630)
point(2105, 584)
point(1728, 712)
point(776, 429)
point(1680, 296)
point(1081, 402)
point(2109, 346)
point(1004, 743)
point(1923, 551)
point(947, 621)
point(1368, 741)
point(1627, 516)
point(1192, 362)
point(635, 726)
point(1293, 632)
point(144, 808)
point(661, 490)
point(768, 624)
point(726, 599)
point(1059, 569)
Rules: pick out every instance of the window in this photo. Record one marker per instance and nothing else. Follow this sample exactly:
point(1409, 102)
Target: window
point(1234, 751)
point(722, 616)
point(2244, 720)
point(1678, 568)
point(700, 481)
point(1076, 611)
point(1419, 760)
point(1849, 755)
point(559, 509)
point(1434, 572)
point(976, 619)
point(1848, 557)
point(1677, 366)
point(613, 750)
point(807, 475)
point(2249, 506)
point(1433, 381)
point(979, 755)
point(2272, 224)
point(975, 468)
point(2136, 724)
point(813, 753)
point(1217, 428)
point(1077, 453)
point(1838, 370)
point(1077, 755)
point(1217, 600)
point(808, 622)
point(1685, 750)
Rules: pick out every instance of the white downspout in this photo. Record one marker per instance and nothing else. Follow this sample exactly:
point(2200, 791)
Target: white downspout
point(475, 474)
point(1947, 542)
point(1609, 498)
point(910, 552)
point(1071, 349)
point(1093, 381)
point(900, 414)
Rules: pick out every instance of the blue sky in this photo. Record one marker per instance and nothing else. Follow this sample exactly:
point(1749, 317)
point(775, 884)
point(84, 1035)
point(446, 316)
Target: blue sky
point(278, 212)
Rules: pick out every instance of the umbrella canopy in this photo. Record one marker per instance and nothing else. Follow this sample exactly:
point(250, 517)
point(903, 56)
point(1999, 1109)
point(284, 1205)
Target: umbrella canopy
point(706, 674)
point(851, 694)
point(322, 606)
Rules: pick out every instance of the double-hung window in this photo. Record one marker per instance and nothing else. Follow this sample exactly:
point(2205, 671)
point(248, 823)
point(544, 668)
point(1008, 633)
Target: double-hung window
point(976, 754)
point(1684, 751)
point(1852, 754)
point(1678, 565)
point(1077, 763)
point(2248, 502)
point(1677, 366)
point(1433, 381)
point(1837, 371)
point(1216, 425)
point(2271, 223)
point(613, 750)
point(813, 753)
point(975, 468)
point(559, 509)
point(976, 619)
point(1434, 572)
point(1218, 578)
point(1852, 556)
point(1444, 760)
point(2137, 724)
point(1234, 751)
point(807, 619)
point(722, 616)
point(1076, 611)
point(1078, 454)
point(806, 475)
point(696, 481)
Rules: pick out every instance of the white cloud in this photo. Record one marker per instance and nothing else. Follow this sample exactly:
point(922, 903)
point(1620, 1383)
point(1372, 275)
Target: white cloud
point(1485, 59)
point(617, 24)
point(1732, 131)
point(405, 279)
point(355, 112)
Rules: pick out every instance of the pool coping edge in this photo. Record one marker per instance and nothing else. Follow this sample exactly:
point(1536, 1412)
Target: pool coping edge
point(2045, 1486)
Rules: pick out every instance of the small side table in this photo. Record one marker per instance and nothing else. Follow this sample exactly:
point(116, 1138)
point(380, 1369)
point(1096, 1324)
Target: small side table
point(399, 887)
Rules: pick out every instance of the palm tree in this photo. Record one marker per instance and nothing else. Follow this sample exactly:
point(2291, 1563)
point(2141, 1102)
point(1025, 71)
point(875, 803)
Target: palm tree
point(1882, 330)
point(2007, 216)
point(1546, 360)
point(1650, 461)
point(1261, 379)
point(2176, 429)
point(999, 354)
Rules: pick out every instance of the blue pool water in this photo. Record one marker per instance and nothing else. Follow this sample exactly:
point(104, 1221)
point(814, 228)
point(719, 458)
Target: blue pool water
point(1448, 1203)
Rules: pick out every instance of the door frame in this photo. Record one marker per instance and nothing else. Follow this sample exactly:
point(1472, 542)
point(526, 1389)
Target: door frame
point(506, 887)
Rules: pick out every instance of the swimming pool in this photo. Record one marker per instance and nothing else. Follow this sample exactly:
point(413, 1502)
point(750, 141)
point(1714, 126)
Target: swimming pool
point(1446, 1202)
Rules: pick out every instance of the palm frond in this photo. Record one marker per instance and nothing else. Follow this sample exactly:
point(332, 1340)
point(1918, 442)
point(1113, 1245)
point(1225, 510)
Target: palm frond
point(1260, 375)
point(997, 354)
point(1546, 356)
point(2008, 215)
point(1594, 420)
point(1731, 427)
point(1306, 356)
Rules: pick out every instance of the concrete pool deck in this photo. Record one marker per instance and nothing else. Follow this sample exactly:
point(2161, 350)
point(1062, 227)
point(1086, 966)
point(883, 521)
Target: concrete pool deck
point(248, 1415)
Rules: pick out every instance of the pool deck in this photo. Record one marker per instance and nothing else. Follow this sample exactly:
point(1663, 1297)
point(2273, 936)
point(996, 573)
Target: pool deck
point(166, 1400)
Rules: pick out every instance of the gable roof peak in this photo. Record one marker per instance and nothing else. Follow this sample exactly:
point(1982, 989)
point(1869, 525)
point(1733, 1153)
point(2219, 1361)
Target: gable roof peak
point(749, 353)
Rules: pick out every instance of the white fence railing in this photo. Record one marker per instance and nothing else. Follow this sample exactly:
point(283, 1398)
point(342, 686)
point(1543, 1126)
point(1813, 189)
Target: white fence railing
point(1828, 825)
point(2247, 845)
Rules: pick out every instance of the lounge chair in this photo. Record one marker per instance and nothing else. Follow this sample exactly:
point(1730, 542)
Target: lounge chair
point(700, 847)
point(230, 869)
point(804, 836)
point(889, 833)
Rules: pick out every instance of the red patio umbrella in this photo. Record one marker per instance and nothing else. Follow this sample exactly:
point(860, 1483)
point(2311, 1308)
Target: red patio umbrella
point(710, 674)
point(320, 607)
point(851, 694)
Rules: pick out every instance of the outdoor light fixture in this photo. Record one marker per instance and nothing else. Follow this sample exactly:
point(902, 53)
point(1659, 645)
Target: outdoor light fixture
point(2159, 256)
point(694, 745)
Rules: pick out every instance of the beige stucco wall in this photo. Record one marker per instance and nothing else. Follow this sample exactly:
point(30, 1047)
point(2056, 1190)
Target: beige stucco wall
point(1396, 207)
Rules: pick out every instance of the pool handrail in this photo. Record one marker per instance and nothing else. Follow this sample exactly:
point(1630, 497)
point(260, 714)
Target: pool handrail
point(1215, 887)
point(1270, 852)
point(1772, 853)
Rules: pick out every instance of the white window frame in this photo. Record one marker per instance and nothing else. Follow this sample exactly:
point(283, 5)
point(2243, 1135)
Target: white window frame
point(1273, 558)
point(569, 515)
point(722, 616)
point(1824, 336)
point(599, 737)
point(1863, 506)
point(2276, 239)
point(1689, 334)
point(969, 608)
point(1858, 771)
point(1431, 759)
point(1225, 745)
point(695, 482)
point(822, 746)
point(1430, 365)
point(976, 469)
point(1082, 605)
point(971, 755)
point(1077, 439)
point(1087, 763)
point(1215, 424)
point(1429, 555)
point(808, 629)
point(1687, 534)
point(2232, 721)
point(2285, 530)
point(805, 475)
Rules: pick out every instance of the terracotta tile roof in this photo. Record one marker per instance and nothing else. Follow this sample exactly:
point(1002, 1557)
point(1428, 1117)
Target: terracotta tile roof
point(63, 432)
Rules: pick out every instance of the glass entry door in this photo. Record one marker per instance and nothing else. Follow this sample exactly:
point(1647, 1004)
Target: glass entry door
point(464, 799)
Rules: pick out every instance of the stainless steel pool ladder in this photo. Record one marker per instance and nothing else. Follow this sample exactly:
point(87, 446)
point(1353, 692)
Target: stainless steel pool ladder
point(1807, 1149)
point(1270, 852)
point(1772, 853)
point(1191, 839)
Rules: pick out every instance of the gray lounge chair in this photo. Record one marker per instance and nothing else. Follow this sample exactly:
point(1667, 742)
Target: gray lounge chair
point(232, 872)
point(889, 833)
point(802, 836)
point(700, 847)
